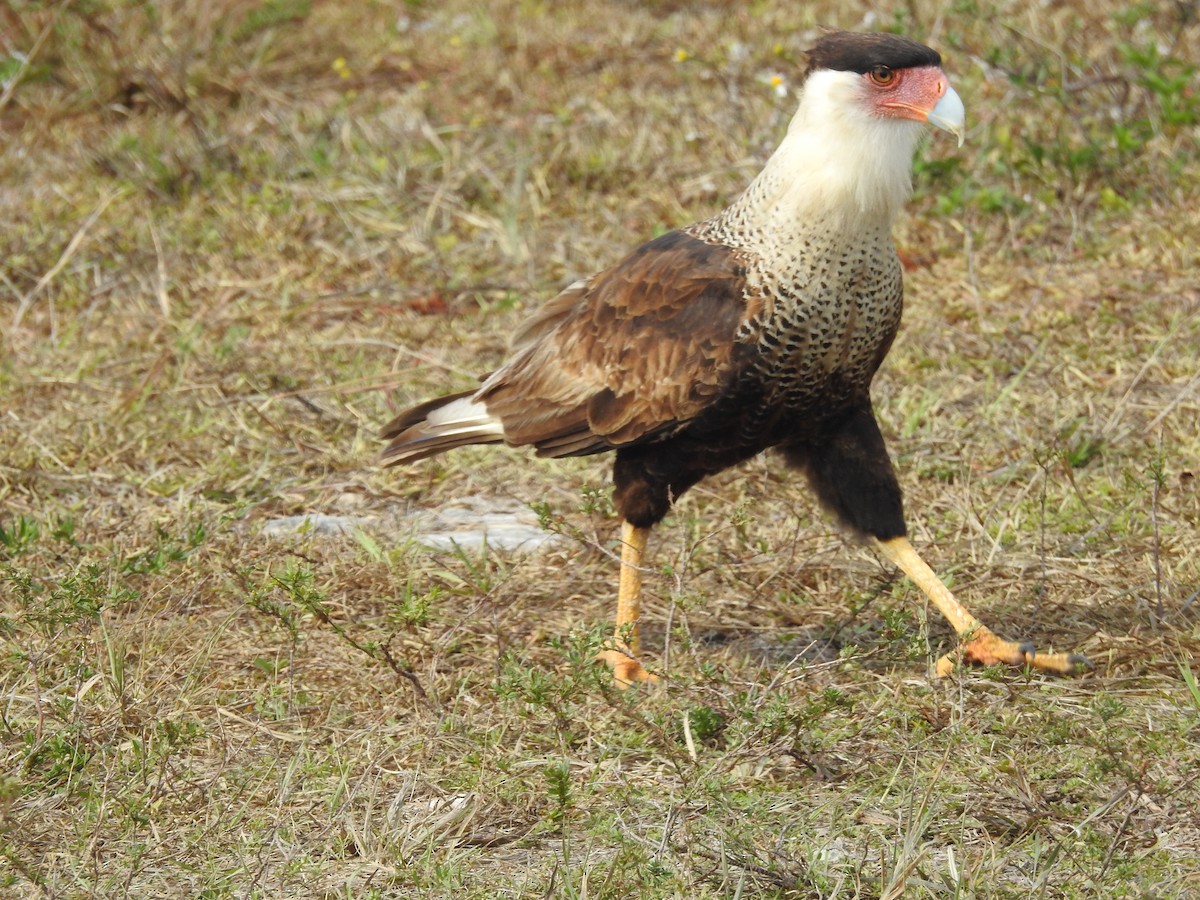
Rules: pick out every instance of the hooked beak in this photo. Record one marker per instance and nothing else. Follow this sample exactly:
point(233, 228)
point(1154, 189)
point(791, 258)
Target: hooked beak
point(922, 94)
point(948, 114)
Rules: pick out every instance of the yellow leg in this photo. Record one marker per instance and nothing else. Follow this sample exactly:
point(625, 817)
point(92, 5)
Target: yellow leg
point(981, 645)
point(622, 656)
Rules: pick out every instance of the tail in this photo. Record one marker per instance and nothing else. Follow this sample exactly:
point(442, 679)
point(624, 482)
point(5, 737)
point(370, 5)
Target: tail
point(439, 425)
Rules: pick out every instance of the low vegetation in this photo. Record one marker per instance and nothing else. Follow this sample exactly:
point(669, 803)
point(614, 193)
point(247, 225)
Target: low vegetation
point(237, 236)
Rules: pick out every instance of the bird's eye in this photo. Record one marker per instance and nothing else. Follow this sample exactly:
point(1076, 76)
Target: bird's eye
point(883, 76)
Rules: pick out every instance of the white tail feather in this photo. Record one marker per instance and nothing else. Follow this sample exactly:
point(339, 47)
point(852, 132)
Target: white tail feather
point(462, 416)
point(424, 432)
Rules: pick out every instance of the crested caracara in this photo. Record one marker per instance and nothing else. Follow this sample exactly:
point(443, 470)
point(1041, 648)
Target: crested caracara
point(761, 327)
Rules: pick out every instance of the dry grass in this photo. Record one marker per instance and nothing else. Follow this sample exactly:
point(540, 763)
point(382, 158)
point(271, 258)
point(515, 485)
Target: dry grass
point(237, 235)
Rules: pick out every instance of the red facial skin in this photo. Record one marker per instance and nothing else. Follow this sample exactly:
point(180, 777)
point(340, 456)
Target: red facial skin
point(906, 93)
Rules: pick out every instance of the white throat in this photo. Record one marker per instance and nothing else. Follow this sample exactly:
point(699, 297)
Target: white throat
point(838, 164)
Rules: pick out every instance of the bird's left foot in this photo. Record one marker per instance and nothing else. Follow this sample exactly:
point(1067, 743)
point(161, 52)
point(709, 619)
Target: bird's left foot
point(986, 649)
point(626, 668)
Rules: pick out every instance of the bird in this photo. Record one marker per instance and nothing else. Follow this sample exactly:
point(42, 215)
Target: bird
point(759, 328)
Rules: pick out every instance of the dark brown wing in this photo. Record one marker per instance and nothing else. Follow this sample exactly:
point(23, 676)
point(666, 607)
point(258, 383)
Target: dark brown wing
point(637, 350)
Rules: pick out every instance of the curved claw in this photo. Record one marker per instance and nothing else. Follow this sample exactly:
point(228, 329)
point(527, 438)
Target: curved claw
point(1079, 663)
point(986, 649)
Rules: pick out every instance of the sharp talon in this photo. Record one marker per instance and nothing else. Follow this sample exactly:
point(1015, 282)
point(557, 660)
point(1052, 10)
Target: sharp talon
point(1029, 650)
point(1080, 663)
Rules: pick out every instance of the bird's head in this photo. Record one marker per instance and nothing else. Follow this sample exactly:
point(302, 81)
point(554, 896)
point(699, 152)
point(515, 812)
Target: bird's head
point(882, 77)
point(864, 103)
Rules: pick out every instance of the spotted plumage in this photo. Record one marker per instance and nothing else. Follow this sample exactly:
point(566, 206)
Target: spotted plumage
point(761, 327)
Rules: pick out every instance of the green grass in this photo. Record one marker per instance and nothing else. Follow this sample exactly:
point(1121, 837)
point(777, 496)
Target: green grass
point(237, 237)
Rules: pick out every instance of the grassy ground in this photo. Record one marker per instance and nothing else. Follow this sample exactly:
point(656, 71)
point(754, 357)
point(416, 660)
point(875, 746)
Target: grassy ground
point(236, 236)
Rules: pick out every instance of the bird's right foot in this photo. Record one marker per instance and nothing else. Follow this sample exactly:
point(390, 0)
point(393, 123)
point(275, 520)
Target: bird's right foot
point(986, 649)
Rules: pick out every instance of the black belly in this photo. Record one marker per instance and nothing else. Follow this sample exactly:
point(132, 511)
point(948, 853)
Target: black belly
point(648, 477)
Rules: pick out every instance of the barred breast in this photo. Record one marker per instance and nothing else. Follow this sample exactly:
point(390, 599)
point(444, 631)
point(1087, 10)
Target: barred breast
point(829, 305)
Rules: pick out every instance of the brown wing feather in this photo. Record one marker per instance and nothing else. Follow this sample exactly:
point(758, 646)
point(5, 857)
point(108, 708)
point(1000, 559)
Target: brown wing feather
point(637, 350)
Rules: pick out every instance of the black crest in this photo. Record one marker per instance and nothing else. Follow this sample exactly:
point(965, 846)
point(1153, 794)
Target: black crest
point(851, 51)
